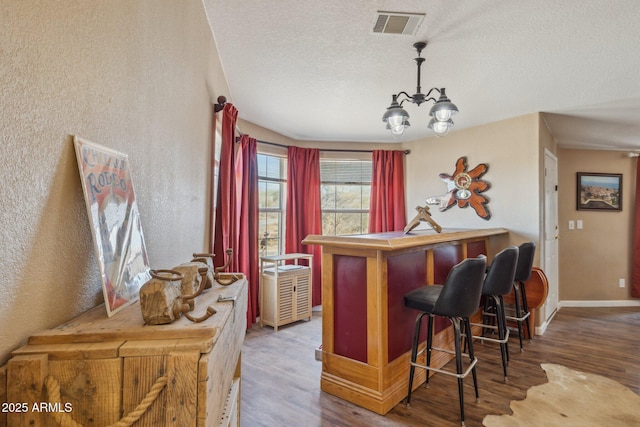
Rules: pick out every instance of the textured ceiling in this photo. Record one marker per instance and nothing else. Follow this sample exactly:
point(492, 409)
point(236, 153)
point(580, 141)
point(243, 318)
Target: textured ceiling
point(314, 70)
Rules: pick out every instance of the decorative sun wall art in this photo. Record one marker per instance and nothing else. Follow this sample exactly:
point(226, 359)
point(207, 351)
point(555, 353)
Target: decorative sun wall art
point(465, 188)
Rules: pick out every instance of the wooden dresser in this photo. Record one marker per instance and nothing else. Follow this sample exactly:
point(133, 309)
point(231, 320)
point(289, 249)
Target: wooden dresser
point(105, 367)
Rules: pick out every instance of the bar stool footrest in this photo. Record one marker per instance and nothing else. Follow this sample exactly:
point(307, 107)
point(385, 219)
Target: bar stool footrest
point(514, 317)
point(472, 364)
point(483, 338)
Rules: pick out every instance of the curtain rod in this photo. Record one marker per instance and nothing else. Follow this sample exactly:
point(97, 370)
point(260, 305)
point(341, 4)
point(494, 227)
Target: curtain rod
point(220, 105)
point(333, 150)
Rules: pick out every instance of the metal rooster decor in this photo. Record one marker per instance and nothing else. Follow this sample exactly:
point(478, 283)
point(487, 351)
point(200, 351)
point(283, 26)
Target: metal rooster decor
point(465, 188)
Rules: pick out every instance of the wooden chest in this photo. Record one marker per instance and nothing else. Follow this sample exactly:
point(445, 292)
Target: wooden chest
point(184, 373)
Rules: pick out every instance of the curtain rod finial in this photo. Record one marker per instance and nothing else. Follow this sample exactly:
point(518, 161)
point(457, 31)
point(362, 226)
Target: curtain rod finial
point(220, 105)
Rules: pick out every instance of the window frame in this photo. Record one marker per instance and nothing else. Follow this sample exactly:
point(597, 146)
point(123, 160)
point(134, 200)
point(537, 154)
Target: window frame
point(363, 211)
point(281, 210)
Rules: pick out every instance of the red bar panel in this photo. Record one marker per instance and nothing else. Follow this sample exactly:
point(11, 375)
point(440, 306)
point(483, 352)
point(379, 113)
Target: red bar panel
point(476, 248)
point(444, 258)
point(404, 273)
point(350, 307)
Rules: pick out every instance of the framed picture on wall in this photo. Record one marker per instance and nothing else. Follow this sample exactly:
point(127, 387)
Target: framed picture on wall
point(115, 223)
point(599, 191)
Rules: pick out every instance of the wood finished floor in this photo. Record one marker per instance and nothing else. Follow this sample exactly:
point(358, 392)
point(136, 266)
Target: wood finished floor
point(281, 378)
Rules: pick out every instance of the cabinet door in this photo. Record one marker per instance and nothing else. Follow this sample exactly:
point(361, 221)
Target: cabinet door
point(286, 301)
point(303, 296)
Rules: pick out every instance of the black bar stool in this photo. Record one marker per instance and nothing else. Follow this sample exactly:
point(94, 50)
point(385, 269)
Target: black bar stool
point(497, 283)
point(457, 299)
point(526, 253)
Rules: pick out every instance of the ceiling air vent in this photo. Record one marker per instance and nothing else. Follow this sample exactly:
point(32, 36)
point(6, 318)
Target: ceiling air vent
point(397, 23)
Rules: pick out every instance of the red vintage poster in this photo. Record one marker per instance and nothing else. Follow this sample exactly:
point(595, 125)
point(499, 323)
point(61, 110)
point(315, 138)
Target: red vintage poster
point(115, 223)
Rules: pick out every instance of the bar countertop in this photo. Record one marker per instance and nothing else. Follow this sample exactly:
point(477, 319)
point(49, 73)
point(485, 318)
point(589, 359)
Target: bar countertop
point(399, 240)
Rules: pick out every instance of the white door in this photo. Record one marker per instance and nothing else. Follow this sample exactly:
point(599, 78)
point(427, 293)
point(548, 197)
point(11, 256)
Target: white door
point(551, 231)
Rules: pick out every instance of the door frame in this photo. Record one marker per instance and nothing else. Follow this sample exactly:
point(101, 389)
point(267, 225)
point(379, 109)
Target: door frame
point(550, 236)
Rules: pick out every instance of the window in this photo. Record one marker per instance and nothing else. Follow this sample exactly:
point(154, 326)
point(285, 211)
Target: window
point(272, 192)
point(217, 152)
point(345, 192)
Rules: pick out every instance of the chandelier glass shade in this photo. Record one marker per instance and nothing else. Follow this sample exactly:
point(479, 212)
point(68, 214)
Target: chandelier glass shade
point(397, 118)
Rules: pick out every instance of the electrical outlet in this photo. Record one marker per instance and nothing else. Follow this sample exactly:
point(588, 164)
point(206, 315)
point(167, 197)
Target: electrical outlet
point(621, 283)
point(572, 225)
point(579, 224)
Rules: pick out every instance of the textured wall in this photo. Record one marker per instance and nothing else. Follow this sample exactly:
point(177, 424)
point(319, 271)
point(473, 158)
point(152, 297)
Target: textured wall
point(510, 147)
point(136, 76)
point(593, 259)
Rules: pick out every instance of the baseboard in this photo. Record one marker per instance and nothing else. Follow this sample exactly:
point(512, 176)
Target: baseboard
point(540, 329)
point(602, 303)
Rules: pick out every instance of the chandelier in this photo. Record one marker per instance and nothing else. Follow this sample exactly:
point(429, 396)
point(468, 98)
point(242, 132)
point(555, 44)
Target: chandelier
point(397, 118)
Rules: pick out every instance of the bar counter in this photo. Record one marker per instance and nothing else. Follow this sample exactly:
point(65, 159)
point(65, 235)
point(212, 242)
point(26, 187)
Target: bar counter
point(366, 329)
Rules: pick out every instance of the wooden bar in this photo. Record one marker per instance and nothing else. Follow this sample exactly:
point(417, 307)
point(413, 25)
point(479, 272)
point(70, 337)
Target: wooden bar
point(366, 329)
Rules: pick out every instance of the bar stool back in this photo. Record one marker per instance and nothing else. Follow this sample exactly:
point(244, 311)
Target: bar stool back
point(457, 299)
point(526, 254)
point(497, 283)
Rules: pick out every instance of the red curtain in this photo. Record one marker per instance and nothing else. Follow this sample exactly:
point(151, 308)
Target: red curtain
point(635, 274)
point(236, 220)
point(304, 215)
point(247, 174)
point(386, 209)
point(226, 223)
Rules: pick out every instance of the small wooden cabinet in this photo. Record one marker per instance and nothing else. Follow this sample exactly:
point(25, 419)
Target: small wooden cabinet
point(285, 289)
